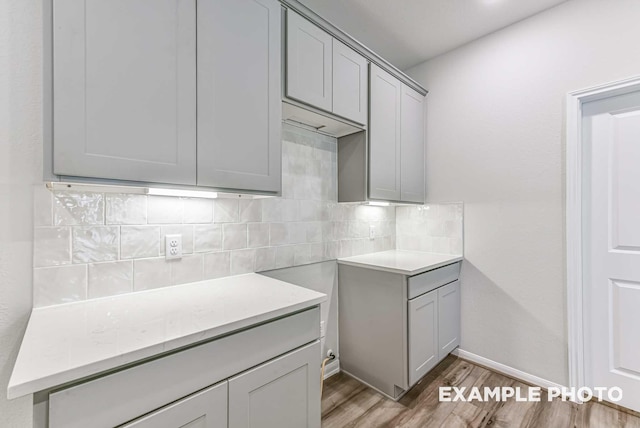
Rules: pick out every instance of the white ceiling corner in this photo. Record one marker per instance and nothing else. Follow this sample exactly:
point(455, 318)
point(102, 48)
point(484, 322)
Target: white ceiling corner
point(408, 32)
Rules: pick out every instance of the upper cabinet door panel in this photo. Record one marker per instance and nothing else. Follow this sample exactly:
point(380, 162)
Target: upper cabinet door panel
point(350, 83)
point(239, 94)
point(412, 146)
point(384, 136)
point(309, 62)
point(125, 89)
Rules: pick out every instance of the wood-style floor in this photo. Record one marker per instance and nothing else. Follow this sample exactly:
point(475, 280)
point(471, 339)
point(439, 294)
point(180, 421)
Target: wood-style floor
point(348, 403)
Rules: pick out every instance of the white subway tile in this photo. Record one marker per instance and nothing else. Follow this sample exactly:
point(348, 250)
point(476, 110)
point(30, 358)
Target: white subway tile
point(95, 244)
point(234, 236)
point(151, 273)
point(265, 259)
point(187, 269)
point(198, 210)
point(314, 231)
point(51, 246)
point(217, 265)
point(250, 210)
point(164, 210)
point(285, 256)
point(110, 278)
point(226, 211)
point(139, 241)
point(126, 209)
point(243, 261)
point(258, 235)
point(60, 284)
point(207, 237)
point(71, 208)
point(278, 234)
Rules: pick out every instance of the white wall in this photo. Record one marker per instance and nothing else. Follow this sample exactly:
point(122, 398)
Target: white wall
point(495, 141)
point(20, 166)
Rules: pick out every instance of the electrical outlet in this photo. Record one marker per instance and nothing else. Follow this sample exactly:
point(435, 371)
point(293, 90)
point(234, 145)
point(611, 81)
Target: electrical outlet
point(173, 247)
point(372, 231)
point(322, 329)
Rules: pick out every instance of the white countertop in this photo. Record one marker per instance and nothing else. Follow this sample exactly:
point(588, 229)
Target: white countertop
point(68, 342)
point(400, 261)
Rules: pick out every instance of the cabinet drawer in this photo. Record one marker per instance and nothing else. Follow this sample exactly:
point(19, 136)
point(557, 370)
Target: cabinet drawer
point(146, 387)
point(433, 279)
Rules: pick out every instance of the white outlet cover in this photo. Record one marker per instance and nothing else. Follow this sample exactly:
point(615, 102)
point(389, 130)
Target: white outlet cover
point(173, 247)
point(372, 231)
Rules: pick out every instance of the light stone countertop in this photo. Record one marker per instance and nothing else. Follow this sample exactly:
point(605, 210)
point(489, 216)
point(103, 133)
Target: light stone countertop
point(400, 261)
point(69, 342)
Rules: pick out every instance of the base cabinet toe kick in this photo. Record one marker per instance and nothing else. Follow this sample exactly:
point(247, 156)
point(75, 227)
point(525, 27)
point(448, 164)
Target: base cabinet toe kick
point(395, 328)
point(267, 375)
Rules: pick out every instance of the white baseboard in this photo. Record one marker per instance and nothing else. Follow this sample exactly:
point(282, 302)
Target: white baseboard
point(332, 368)
point(506, 370)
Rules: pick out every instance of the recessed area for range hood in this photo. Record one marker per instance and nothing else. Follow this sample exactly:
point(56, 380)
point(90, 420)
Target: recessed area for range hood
point(314, 119)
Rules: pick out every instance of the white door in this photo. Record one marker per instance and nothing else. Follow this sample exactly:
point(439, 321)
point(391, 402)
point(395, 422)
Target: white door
point(611, 134)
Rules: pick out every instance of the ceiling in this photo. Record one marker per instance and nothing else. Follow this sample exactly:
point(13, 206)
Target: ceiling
point(407, 32)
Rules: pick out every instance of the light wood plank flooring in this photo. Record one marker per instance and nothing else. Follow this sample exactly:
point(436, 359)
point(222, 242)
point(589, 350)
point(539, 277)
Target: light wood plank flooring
point(348, 403)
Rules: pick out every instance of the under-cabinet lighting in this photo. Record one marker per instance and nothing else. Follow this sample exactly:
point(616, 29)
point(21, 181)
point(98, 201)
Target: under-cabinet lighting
point(378, 204)
point(156, 191)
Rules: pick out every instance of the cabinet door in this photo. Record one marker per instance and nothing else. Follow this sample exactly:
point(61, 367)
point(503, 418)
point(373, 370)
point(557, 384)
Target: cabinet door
point(384, 136)
point(309, 58)
point(350, 83)
point(448, 318)
point(124, 81)
point(283, 393)
point(239, 94)
point(412, 146)
point(205, 409)
point(423, 335)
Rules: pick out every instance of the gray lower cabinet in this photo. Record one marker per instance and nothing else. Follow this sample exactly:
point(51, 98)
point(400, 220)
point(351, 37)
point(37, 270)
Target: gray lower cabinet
point(423, 335)
point(117, 113)
point(239, 94)
point(448, 318)
point(264, 376)
point(394, 328)
point(284, 393)
point(205, 409)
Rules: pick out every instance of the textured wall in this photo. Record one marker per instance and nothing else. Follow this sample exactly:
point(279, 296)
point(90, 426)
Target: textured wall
point(20, 167)
point(495, 141)
point(90, 245)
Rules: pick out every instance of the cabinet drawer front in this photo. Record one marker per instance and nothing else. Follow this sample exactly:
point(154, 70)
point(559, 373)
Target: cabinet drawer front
point(206, 409)
point(149, 386)
point(433, 279)
point(283, 393)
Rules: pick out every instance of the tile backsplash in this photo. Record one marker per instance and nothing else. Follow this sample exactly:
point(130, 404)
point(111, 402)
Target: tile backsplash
point(436, 228)
point(90, 245)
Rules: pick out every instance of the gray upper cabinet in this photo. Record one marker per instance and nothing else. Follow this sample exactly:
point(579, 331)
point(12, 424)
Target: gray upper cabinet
point(384, 136)
point(349, 83)
point(309, 59)
point(412, 146)
point(239, 94)
point(125, 95)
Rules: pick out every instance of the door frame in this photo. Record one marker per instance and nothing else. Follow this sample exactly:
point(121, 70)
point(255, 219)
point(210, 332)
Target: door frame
point(574, 218)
